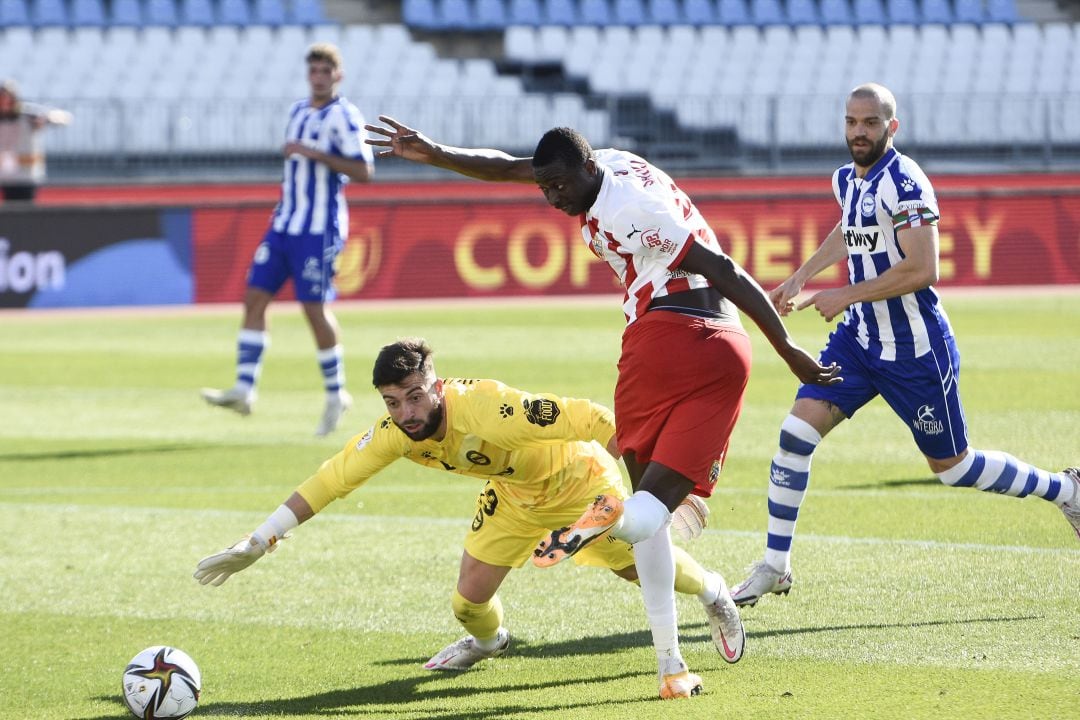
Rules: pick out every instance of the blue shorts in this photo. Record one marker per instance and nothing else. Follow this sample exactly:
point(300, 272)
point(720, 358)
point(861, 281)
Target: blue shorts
point(924, 391)
point(307, 259)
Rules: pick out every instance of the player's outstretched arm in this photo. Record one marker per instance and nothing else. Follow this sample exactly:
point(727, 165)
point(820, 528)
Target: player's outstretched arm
point(483, 164)
point(830, 252)
point(219, 567)
point(736, 284)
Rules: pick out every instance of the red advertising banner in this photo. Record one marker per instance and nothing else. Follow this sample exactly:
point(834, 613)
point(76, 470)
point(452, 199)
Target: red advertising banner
point(467, 242)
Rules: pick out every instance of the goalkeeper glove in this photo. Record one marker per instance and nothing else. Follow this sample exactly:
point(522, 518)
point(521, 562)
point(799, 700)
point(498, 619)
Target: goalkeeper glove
point(690, 518)
point(217, 568)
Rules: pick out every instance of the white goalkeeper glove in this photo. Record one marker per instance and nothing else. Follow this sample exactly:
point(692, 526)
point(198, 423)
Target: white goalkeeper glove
point(690, 518)
point(219, 567)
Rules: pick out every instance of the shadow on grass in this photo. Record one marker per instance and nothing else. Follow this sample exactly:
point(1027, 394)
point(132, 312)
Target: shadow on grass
point(102, 452)
point(901, 483)
point(379, 698)
point(404, 692)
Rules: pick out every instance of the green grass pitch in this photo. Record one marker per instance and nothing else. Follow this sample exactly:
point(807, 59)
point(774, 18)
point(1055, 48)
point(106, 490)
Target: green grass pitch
point(912, 600)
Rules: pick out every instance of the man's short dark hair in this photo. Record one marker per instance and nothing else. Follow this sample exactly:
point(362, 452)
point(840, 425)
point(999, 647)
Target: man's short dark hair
point(399, 360)
point(563, 145)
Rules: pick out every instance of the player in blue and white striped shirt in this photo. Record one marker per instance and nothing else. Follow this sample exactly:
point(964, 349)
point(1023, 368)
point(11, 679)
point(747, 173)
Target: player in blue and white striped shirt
point(324, 149)
point(894, 340)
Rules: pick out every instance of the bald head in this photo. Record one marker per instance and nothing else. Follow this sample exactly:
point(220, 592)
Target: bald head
point(879, 94)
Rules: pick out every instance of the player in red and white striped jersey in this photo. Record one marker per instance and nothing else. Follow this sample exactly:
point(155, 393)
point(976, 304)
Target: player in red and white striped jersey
point(685, 357)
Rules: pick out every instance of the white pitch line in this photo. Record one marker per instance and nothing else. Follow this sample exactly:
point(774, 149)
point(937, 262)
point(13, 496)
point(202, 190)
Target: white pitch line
point(254, 517)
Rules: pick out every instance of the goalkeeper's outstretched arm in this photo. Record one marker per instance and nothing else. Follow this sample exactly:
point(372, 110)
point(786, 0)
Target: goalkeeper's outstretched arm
point(217, 568)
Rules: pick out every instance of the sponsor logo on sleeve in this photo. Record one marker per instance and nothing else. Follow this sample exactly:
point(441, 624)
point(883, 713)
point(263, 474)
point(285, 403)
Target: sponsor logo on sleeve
point(541, 411)
point(365, 439)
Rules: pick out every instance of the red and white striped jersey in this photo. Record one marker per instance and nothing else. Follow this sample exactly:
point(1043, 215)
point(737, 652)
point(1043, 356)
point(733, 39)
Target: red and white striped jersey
point(642, 225)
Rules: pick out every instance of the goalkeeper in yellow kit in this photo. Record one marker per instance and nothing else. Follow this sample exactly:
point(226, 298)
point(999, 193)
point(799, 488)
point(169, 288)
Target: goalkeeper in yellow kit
point(544, 457)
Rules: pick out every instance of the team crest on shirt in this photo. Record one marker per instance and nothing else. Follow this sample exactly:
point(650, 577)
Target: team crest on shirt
point(868, 204)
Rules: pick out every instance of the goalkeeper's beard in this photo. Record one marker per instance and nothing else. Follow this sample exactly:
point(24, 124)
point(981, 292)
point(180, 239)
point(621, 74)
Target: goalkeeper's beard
point(434, 420)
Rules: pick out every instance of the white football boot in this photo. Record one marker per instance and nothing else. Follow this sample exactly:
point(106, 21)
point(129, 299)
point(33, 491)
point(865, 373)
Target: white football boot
point(238, 399)
point(1072, 508)
point(764, 579)
point(680, 685)
point(336, 406)
point(726, 625)
point(463, 654)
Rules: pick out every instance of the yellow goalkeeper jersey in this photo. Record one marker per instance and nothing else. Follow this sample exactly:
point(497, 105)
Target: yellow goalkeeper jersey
point(533, 445)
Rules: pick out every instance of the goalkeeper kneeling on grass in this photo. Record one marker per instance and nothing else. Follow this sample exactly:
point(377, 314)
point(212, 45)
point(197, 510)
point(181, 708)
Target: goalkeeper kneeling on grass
point(544, 459)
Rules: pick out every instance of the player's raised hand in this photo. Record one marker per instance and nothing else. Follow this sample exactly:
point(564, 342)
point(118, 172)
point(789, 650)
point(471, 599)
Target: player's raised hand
point(219, 567)
point(829, 303)
point(401, 140)
point(783, 296)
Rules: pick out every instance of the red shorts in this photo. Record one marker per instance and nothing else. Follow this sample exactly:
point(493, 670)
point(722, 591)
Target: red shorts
point(680, 390)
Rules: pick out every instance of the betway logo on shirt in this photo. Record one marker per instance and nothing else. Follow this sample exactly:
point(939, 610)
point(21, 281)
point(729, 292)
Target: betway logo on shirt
point(864, 240)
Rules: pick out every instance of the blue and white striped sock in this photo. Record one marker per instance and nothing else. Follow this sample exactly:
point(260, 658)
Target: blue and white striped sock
point(998, 472)
point(332, 364)
point(250, 345)
point(788, 477)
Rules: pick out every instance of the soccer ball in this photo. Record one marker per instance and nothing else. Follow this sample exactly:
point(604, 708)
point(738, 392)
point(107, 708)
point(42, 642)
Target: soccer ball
point(162, 682)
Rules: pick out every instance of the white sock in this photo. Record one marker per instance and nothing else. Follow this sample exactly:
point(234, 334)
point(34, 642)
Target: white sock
point(655, 563)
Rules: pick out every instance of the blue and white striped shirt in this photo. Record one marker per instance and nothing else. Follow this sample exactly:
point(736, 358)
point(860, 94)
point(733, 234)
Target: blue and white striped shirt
point(894, 195)
point(312, 195)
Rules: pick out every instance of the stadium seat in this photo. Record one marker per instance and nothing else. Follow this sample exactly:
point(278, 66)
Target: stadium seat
point(1002, 11)
point(87, 13)
point(126, 13)
point(454, 15)
point(308, 12)
point(14, 13)
point(268, 12)
point(802, 12)
point(629, 12)
point(160, 13)
point(489, 15)
point(420, 14)
point(699, 12)
point(868, 12)
point(525, 12)
point(767, 12)
point(594, 12)
point(836, 12)
point(732, 12)
point(969, 11)
point(664, 12)
point(48, 13)
point(937, 12)
point(197, 13)
point(234, 12)
point(902, 12)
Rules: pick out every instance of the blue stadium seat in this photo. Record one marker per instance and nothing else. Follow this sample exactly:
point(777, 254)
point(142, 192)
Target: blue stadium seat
point(308, 12)
point(732, 12)
point(489, 15)
point(234, 12)
point(802, 12)
point(937, 12)
point(161, 13)
point(836, 12)
point(199, 13)
point(126, 13)
point(14, 12)
point(664, 12)
point(87, 13)
point(1002, 11)
point(420, 14)
point(455, 15)
point(767, 12)
point(903, 12)
point(561, 12)
point(267, 12)
point(594, 12)
point(969, 11)
point(48, 13)
point(629, 12)
point(868, 12)
point(699, 12)
point(525, 12)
